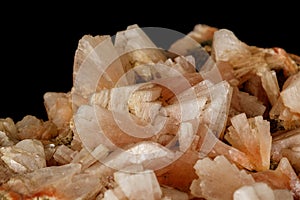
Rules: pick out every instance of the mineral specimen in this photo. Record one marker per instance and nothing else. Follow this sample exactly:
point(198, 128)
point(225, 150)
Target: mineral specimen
point(210, 117)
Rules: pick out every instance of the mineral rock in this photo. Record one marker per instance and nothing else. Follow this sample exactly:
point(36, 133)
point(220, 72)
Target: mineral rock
point(142, 122)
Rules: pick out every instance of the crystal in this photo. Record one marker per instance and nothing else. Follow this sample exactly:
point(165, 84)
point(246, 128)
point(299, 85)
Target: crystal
point(134, 46)
point(261, 191)
point(290, 94)
point(202, 33)
point(210, 173)
point(26, 156)
point(96, 66)
point(86, 158)
point(283, 177)
point(173, 194)
point(63, 154)
point(227, 46)
point(249, 60)
point(287, 145)
point(141, 185)
point(5, 173)
point(251, 136)
point(45, 179)
point(8, 126)
point(285, 108)
point(150, 188)
point(4, 140)
point(270, 84)
point(243, 102)
point(59, 109)
point(31, 127)
point(174, 174)
point(142, 122)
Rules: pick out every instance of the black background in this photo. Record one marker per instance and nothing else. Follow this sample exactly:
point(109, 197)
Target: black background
point(38, 42)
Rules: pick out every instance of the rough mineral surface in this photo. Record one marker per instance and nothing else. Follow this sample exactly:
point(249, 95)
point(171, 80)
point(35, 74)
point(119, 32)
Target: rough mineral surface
point(209, 118)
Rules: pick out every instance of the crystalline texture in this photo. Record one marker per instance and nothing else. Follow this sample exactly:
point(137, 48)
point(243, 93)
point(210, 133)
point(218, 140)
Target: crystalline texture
point(26, 156)
point(287, 145)
point(261, 191)
point(210, 173)
point(251, 136)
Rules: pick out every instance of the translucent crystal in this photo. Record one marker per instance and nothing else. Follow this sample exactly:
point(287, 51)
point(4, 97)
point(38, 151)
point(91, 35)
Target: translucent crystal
point(287, 145)
point(210, 173)
point(291, 94)
point(261, 191)
point(4, 140)
point(136, 48)
point(243, 102)
point(251, 136)
point(26, 156)
point(284, 177)
point(43, 179)
point(63, 154)
point(31, 127)
point(227, 46)
point(173, 194)
point(58, 108)
point(144, 185)
point(8, 126)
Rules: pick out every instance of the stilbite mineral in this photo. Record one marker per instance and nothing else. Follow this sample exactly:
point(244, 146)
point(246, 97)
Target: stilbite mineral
point(205, 119)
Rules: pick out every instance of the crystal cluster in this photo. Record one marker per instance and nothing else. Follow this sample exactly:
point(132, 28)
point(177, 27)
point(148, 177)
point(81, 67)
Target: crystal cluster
point(208, 118)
